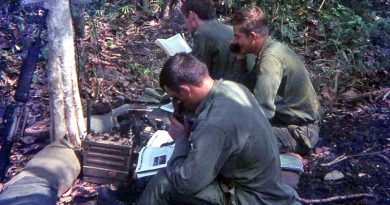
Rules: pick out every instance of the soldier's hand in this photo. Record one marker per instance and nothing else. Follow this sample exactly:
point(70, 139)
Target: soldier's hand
point(177, 130)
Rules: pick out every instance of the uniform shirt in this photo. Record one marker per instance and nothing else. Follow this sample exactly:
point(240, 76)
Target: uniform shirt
point(283, 87)
point(211, 43)
point(232, 140)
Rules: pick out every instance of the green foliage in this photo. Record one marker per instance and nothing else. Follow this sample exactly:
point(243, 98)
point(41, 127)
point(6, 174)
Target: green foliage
point(344, 33)
point(109, 42)
point(125, 9)
point(339, 29)
point(139, 70)
point(105, 8)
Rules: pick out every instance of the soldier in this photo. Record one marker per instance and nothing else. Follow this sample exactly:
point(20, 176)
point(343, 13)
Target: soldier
point(282, 85)
point(211, 38)
point(220, 158)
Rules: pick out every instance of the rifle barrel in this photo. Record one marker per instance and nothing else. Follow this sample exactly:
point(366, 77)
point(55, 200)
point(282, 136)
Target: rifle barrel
point(27, 71)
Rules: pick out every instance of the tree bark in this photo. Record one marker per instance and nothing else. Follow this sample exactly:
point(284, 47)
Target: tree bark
point(65, 104)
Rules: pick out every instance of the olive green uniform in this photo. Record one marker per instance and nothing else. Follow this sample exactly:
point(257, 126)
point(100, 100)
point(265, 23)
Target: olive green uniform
point(211, 43)
point(231, 147)
point(284, 91)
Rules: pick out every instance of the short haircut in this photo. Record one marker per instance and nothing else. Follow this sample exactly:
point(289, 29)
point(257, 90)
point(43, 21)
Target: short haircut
point(203, 8)
point(250, 19)
point(182, 69)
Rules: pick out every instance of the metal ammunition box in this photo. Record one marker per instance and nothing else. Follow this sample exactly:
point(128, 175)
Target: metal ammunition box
point(105, 162)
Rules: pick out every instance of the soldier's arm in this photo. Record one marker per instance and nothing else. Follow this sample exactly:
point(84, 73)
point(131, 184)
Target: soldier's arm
point(193, 167)
point(204, 49)
point(199, 47)
point(269, 73)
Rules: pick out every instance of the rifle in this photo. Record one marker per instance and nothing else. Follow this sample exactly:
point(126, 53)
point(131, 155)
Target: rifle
point(14, 116)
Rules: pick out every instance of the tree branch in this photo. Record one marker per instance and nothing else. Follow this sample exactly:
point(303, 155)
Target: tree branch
point(334, 198)
point(344, 157)
point(322, 4)
point(365, 95)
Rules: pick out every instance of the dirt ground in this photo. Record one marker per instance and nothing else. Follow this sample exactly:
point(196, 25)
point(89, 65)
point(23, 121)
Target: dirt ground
point(121, 59)
point(361, 134)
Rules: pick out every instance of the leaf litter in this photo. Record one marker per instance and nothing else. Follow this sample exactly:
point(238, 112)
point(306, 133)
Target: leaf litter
point(117, 67)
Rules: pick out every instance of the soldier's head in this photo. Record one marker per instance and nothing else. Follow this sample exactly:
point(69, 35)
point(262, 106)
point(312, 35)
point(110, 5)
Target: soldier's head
point(186, 78)
point(250, 30)
point(197, 11)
